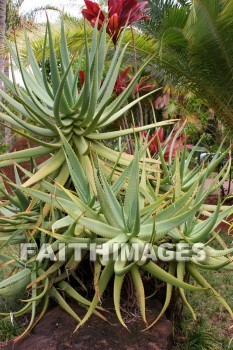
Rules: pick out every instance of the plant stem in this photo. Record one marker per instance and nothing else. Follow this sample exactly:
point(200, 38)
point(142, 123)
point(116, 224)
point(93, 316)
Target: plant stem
point(135, 72)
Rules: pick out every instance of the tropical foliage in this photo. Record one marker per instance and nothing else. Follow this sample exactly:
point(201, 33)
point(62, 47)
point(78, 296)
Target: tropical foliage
point(191, 46)
point(136, 208)
point(194, 47)
point(49, 110)
point(89, 194)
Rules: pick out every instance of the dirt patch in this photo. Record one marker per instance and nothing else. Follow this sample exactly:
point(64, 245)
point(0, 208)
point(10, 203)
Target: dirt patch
point(55, 332)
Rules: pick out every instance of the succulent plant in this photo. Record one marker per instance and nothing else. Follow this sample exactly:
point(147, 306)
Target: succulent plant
point(43, 110)
point(134, 209)
point(115, 201)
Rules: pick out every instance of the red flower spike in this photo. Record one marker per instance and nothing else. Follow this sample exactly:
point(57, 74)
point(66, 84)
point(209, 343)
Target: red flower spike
point(81, 77)
point(122, 81)
point(140, 87)
point(92, 13)
point(114, 6)
point(119, 13)
point(179, 144)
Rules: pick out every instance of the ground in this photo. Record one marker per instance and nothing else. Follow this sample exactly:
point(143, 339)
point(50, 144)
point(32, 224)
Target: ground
point(55, 332)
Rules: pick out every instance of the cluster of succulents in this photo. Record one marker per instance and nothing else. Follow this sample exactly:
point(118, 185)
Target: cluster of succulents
point(87, 193)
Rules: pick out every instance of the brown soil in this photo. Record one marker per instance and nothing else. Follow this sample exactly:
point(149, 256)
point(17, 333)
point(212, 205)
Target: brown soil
point(55, 332)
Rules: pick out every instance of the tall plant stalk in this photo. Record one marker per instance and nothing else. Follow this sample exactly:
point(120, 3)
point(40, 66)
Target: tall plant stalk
point(2, 33)
point(135, 72)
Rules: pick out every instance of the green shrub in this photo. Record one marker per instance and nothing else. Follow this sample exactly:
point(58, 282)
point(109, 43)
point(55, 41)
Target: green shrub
point(86, 193)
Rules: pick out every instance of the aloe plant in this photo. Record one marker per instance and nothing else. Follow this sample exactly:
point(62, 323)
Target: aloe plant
point(137, 207)
point(115, 201)
point(43, 111)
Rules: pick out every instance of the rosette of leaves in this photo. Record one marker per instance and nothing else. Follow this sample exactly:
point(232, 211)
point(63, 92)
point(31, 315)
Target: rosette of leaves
point(127, 211)
point(16, 216)
point(43, 110)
